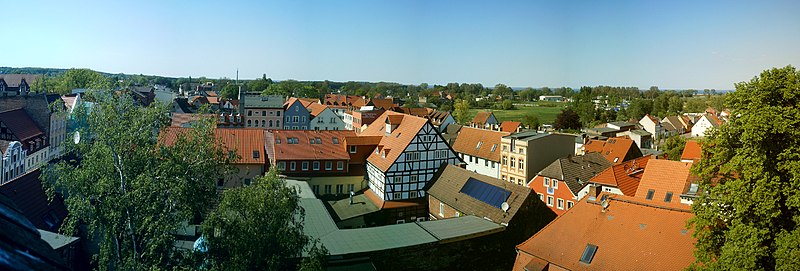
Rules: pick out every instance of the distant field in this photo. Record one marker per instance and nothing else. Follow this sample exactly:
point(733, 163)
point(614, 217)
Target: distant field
point(547, 115)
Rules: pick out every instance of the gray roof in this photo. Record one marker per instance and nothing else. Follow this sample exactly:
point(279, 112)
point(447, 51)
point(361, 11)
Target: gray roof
point(527, 136)
point(641, 132)
point(361, 206)
point(56, 240)
point(602, 130)
point(576, 171)
point(301, 187)
point(258, 101)
point(457, 228)
point(621, 123)
point(447, 189)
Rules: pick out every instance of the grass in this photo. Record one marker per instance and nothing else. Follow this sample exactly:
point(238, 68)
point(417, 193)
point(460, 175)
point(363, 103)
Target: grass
point(545, 112)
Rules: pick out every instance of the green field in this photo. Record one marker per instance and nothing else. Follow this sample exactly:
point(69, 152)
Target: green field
point(546, 114)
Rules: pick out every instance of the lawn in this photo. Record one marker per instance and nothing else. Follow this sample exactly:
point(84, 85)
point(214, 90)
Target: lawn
point(546, 114)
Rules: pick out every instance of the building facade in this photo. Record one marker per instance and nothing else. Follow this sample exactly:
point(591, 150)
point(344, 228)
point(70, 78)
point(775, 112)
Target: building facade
point(480, 150)
point(559, 184)
point(324, 119)
point(12, 160)
point(260, 111)
point(296, 116)
point(523, 155)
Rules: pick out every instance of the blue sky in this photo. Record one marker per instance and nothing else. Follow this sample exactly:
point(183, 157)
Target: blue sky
point(670, 44)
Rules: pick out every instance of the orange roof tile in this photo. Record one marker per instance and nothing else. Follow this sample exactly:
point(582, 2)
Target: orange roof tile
point(692, 151)
point(629, 235)
point(613, 149)
point(179, 119)
point(625, 176)
point(213, 99)
point(245, 141)
point(323, 149)
point(510, 126)
point(481, 117)
point(363, 140)
point(315, 109)
point(392, 203)
point(479, 142)
point(664, 176)
point(383, 103)
point(407, 128)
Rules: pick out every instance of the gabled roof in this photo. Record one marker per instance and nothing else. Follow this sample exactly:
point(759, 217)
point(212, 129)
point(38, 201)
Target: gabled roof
point(613, 149)
point(675, 121)
point(479, 143)
point(261, 101)
point(210, 93)
point(664, 176)
point(28, 194)
point(482, 117)
point(576, 171)
point(625, 176)
point(397, 141)
point(244, 141)
point(510, 126)
point(314, 109)
point(716, 122)
point(13, 80)
point(691, 151)
point(417, 111)
point(629, 235)
point(437, 117)
point(292, 100)
point(452, 179)
point(323, 149)
point(21, 125)
point(387, 104)
point(654, 119)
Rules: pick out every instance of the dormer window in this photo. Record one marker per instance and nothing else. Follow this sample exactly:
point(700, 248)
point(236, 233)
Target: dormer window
point(588, 253)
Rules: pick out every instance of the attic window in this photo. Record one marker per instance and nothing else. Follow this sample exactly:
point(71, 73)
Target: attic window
point(650, 194)
point(479, 144)
point(255, 154)
point(588, 253)
point(319, 140)
point(277, 141)
point(311, 141)
point(335, 140)
point(494, 147)
point(616, 159)
point(668, 197)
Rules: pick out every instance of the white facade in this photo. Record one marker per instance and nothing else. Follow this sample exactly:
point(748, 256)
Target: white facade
point(327, 120)
point(702, 126)
point(347, 118)
point(37, 159)
point(481, 166)
point(604, 188)
point(12, 162)
point(652, 127)
point(414, 168)
point(58, 133)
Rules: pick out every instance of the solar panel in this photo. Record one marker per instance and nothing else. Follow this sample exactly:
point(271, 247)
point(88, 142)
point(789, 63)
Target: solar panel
point(485, 192)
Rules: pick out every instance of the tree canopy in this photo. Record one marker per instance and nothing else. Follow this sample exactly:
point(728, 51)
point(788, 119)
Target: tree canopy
point(461, 112)
point(750, 169)
point(673, 147)
point(567, 120)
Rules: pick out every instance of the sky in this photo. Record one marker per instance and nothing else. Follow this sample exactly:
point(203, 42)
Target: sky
point(670, 44)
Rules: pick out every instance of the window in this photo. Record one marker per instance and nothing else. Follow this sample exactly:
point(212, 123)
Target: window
point(264, 123)
point(281, 165)
point(398, 195)
point(303, 119)
point(494, 147)
point(317, 139)
point(340, 165)
point(279, 114)
point(588, 253)
point(441, 209)
point(270, 123)
point(255, 154)
point(292, 166)
point(315, 188)
point(513, 162)
point(505, 160)
point(351, 187)
point(458, 214)
point(560, 205)
point(277, 141)
point(295, 119)
point(493, 164)
point(555, 184)
point(249, 113)
point(305, 165)
point(311, 141)
point(541, 196)
point(668, 197)
point(335, 140)
point(339, 189)
point(328, 165)
point(570, 204)
point(316, 165)
point(401, 221)
point(549, 200)
point(249, 123)
point(278, 122)
point(327, 189)
point(546, 182)
point(512, 179)
point(352, 149)
point(650, 194)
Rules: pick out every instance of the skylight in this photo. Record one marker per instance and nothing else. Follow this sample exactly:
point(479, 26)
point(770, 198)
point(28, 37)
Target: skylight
point(668, 197)
point(650, 194)
point(335, 140)
point(479, 144)
point(494, 147)
point(588, 253)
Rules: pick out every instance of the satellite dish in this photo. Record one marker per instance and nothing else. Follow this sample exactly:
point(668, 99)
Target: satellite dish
point(504, 206)
point(76, 137)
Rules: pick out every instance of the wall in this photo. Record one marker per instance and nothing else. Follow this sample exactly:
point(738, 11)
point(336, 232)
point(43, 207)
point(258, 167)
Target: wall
point(478, 165)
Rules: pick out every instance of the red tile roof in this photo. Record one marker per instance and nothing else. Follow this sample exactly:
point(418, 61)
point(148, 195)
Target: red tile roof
point(613, 149)
point(323, 149)
point(393, 203)
point(510, 126)
point(625, 176)
point(692, 151)
point(244, 141)
point(481, 117)
point(28, 194)
point(383, 103)
point(630, 235)
point(13, 80)
point(664, 176)
point(479, 143)
point(407, 128)
point(179, 119)
point(20, 124)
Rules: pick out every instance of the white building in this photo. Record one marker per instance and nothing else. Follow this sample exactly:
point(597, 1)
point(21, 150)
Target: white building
point(12, 160)
point(703, 124)
point(653, 126)
point(409, 153)
point(480, 150)
point(324, 119)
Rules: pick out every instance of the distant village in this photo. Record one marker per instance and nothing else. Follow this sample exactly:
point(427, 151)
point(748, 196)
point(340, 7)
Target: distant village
point(384, 186)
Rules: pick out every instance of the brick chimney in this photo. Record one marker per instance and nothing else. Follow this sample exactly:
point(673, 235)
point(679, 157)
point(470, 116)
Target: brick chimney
point(594, 190)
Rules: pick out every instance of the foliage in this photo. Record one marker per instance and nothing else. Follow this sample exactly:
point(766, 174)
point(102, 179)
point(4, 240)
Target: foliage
point(229, 91)
point(461, 112)
point(130, 191)
point(71, 79)
point(259, 227)
point(749, 219)
point(567, 119)
point(673, 147)
point(532, 122)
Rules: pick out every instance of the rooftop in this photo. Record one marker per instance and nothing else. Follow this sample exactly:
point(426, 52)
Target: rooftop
point(260, 101)
point(510, 126)
point(308, 145)
point(614, 149)
point(625, 176)
point(394, 143)
point(664, 177)
point(20, 124)
point(576, 171)
point(248, 143)
point(479, 143)
point(691, 151)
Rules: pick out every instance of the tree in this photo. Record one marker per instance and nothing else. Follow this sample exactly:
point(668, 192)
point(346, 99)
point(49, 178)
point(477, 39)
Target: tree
point(131, 192)
point(507, 105)
point(259, 227)
point(461, 112)
point(532, 121)
point(229, 91)
point(567, 119)
point(503, 91)
point(673, 147)
point(748, 217)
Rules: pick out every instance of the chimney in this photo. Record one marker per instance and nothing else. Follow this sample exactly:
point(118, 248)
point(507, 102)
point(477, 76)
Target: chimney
point(594, 190)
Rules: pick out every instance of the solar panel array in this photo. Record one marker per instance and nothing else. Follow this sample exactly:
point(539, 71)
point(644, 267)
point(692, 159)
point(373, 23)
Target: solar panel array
point(485, 192)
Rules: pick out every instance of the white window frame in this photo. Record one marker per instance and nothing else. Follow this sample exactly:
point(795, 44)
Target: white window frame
point(441, 209)
point(570, 204)
point(352, 149)
point(340, 165)
point(546, 182)
point(550, 201)
point(315, 165)
point(305, 166)
point(560, 204)
point(555, 183)
point(328, 165)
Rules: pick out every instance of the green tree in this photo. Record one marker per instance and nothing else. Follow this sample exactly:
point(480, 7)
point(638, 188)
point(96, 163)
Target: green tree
point(696, 105)
point(532, 121)
point(673, 147)
point(461, 112)
point(229, 91)
point(131, 192)
point(504, 91)
point(567, 120)
point(749, 219)
point(507, 105)
point(259, 227)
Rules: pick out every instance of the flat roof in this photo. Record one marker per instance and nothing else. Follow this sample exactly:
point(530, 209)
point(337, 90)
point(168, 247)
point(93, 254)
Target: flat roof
point(302, 188)
point(528, 135)
point(56, 240)
point(361, 206)
point(318, 222)
point(376, 238)
point(466, 226)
